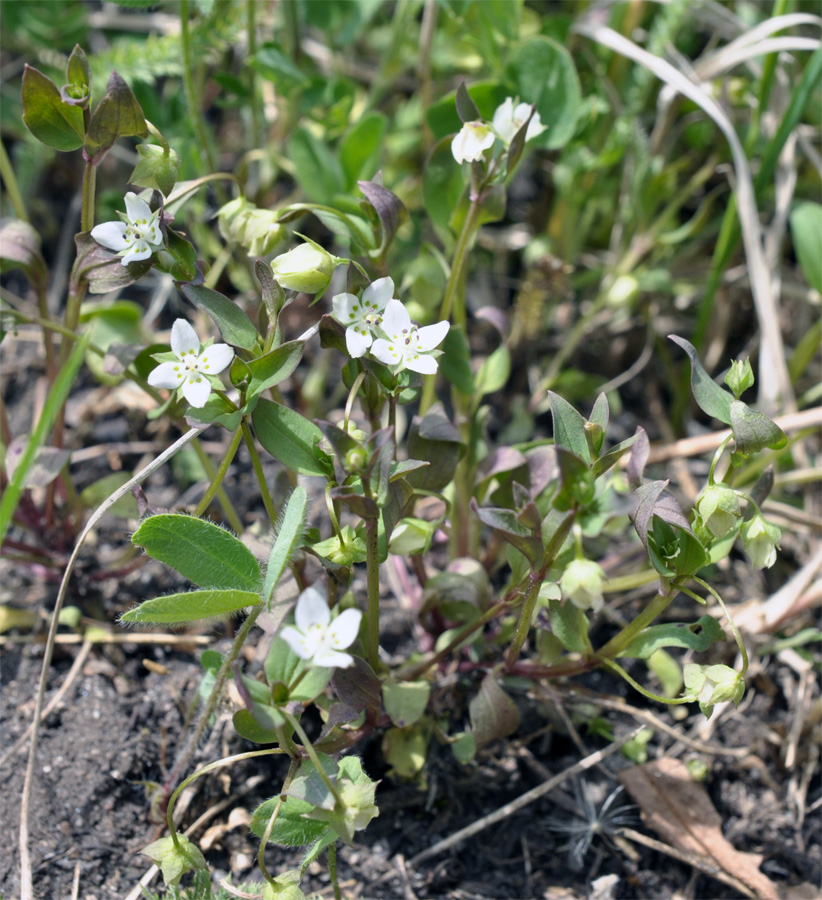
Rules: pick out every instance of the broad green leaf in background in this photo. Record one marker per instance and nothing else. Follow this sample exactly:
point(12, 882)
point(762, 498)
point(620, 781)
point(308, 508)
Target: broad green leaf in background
point(442, 183)
point(190, 606)
point(543, 73)
point(806, 229)
point(276, 67)
point(317, 169)
point(109, 323)
point(361, 147)
point(405, 701)
point(204, 553)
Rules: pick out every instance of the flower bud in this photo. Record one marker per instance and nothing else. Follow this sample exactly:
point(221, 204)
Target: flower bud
point(710, 685)
point(581, 583)
point(307, 268)
point(175, 859)
point(718, 507)
point(255, 229)
point(740, 377)
point(345, 550)
point(761, 541)
point(157, 168)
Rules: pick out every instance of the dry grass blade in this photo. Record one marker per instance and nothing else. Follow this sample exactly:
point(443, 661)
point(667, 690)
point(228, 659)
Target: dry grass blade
point(774, 380)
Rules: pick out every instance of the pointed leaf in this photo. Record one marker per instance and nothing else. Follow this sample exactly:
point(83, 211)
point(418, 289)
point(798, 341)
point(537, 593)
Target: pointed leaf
point(612, 457)
point(235, 326)
point(204, 553)
point(274, 367)
point(710, 397)
point(47, 117)
point(753, 430)
point(390, 211)
point(466, 108)
point(190, 606)
point(117, 115)
point(493, 713)
point(569, 428)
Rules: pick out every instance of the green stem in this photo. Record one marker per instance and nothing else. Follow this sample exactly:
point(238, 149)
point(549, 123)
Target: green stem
point(211, 704)
point(312, 753)
point(194, 110)
point(256, 130)
point(332, 870)
point(372, 551)
point(268, 502)
point(12, 187)
point(292, 771)
point(526, 614)
point(644, 691)
point(621, 640)
point(89, 192)
point(226, 761)
point(737, 636)
point(217, 481)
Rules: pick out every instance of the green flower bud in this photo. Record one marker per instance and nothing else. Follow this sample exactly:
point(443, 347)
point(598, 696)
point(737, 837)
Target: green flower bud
point(740, 377)
point(307, 268)
point(345, 551)
point(718, 507)
point(285, 887)
point(709, 685)
point(761, 541)
point(156, 168)
point(173, 859)
point(255, 229)
point(581, 583)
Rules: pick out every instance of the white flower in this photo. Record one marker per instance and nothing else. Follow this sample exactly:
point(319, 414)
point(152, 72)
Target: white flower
point(316, 638)
point(581, 583)
point(473, 139)
point(362, 316)
point(192, 371)
point(407, 345)
point(508, 120)
point(136, 240)
point(761, 541)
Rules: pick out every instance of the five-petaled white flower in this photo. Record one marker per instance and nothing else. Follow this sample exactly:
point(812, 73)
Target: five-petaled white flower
point(137, 239)
point(407, 345)
point(508, 119)
point(194, 366)
point(316, 637)
point(472, 140)
point(362, 316)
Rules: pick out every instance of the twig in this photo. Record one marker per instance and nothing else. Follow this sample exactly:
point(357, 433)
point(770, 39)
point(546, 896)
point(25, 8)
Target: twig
point(523, 800)
point(199, 640)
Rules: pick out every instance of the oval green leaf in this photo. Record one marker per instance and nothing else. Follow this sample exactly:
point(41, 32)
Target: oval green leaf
point(190, 606)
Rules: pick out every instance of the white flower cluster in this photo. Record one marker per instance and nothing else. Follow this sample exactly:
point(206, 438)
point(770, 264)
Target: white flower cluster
point(379, 323)
point(474, 138)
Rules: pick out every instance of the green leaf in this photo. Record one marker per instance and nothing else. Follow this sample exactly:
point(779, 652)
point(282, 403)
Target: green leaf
point(248, 727)
point(55, 398)
point(405, 701)
point(98, 491)
point(612, 457)
point(753, 430)
point(435, 440)
point(317, 169)
point(493, 373)
point(506, 523)
point(290, 438)
point(493, 713)
point(455, 362)
point(289, 535)
point(442, 184)
point(699, 636)
point(569, 428)
point(577, 481)
point(274, 367)
point(204, 553)
point(111, 323)
point(710, 397)
point(190, 606)
point(390, 211)
point(806, 229)
point(464, 748)
point(569, 624)
point(361, 147)
point(103, 271)
point(117, 115)
point(544, 73)
point(47, 117)
point(235, 326)
point(275, 66)
point(292, 828)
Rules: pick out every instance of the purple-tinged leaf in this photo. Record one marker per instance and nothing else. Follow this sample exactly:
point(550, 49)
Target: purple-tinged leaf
point(493, 713)
point(117, 115)
point(753, 430)
point(466, 108)
point(639, 457)
point(569, 428)
point(710, 397)
point(390, 210)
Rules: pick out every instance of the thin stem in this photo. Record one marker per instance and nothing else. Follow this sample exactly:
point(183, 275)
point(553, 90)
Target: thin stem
point(226, 761)
point(89, 192)
point(12, 187)
point(194, 110)
point(312, 753)
point(622, 638)
point(332, 870)
point(644, 691)
point(734, 629)
point(372, 551)
point(268, 502)
point(217, 481)
point(213, 699)
point(256, 130)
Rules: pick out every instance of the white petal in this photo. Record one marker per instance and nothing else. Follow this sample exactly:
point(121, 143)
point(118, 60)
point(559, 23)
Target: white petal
point(196, 390)
point(342, 632)
point(297, 642)
point(503, 119)
point(332, 659)
point(215, 358)
point(357, 340)
point(387, 352)
point(379, 292)
point(535, 127)
point(395, 318)
point(111, 235)
point(139, 249)
point(521, 113)
point(343, 308)
point(167, 375)
point(137, 209)
point(183, 338)
point(431, 336)
point(311, 610)
point(422, 363)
